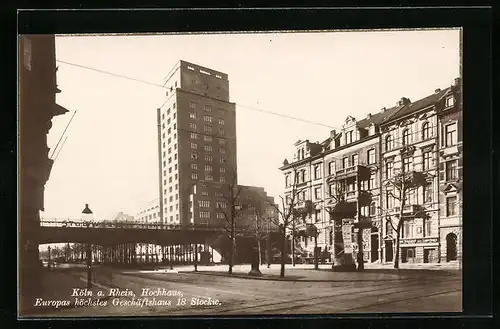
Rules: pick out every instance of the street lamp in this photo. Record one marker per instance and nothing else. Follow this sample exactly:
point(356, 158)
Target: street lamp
point(87, 217)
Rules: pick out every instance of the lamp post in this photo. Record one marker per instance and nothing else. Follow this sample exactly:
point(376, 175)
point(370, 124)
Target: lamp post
point(87, 217)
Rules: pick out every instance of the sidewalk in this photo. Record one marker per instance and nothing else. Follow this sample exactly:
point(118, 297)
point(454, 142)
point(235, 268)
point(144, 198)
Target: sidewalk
point(306, 272)
point(57, 285)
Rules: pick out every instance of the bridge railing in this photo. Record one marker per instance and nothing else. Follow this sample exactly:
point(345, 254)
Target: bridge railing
point(54, 222)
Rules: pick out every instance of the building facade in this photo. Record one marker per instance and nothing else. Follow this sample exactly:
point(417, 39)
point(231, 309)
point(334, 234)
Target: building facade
point(354, 166)
point(449, 108)
point(196, 135)
point(37, 106)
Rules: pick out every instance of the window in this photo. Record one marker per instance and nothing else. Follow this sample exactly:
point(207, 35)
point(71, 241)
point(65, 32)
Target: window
point(207, 129)
point(209, 177)
point(287, 180)
point(192, 104)
point(370, 155)
point(204, 203)
point(220, 215)
point(221, 131)
point(169, 131)
point(427, 192)
point(208, 157)
point(222, 150)
point(208, 168)
point(170, 170)
point(193, 82)
point(373, 209)
point(407, 162)
point(451, 170)
point(169, 150)
point(317, 193)
point(390, 201)
point(207, 138)
point(221, 121)
point(331, 168)
point(207, 118)
point(208, 108)
point(169, 140)
point(372, 181)
point(450, 101)
point(192, 125)
point(345, 162)
point(208, 148)
point(193, 136)
point(388, 143)
point(428, 228)
point(193, 146)
point(426, 164)
point(406, 137)
point(222, 159)
point(192, 115)
point(348, 137)
point(451, 206)
point(194, 156)
point(317, 173)
point(426, 131)
point(222, 170)
point(222, 178)
point(451, 134)
point(168, 121)
point(204, 214)
point(222, 141)
point(354, 159)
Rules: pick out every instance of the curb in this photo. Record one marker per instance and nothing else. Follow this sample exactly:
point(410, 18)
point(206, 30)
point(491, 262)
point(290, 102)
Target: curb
point(249, 277)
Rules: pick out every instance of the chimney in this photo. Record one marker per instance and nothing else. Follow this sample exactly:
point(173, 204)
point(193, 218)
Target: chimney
point(333, 133)
point(457, 81)
point(437, 91)
point(404, 101)
point(383, 109)
point(369, 115)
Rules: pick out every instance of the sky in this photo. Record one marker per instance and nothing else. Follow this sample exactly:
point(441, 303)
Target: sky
point(109, 159)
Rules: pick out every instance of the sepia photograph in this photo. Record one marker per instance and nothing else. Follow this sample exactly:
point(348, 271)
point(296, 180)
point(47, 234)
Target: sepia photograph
point(240, 173)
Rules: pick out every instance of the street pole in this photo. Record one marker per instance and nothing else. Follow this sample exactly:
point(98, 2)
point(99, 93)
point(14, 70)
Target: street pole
point(48, 262)
point(89, 264)
point(196, 257)
point(293, 240)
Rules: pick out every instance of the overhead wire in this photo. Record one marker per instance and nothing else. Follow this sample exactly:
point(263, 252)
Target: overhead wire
point(164, 87)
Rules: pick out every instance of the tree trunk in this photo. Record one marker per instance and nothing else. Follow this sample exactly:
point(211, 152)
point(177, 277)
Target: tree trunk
point(396, 259)
point(259, 250)
point(283, 252)
point(231, 256)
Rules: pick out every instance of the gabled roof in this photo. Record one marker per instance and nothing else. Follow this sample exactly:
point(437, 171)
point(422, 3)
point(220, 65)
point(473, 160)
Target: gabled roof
point(379, 117)
point(418, 105)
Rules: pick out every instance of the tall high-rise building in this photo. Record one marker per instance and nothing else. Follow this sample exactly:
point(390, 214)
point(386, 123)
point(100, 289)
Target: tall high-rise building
point(196, 137)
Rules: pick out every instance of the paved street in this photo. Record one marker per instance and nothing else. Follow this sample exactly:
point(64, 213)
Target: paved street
point(320, 292)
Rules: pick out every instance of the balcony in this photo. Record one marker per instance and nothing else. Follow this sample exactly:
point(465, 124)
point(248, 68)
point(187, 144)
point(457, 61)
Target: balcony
point(353, 196)
point(354, 171)
point(409, 209)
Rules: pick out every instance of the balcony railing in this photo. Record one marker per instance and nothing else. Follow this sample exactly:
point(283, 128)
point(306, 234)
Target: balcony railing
point(353, 171)
point(407, 209)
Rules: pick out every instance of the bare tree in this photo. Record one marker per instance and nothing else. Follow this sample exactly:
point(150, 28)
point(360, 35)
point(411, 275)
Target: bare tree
point(231, 209)
point(287, 214)
point(263, 215)
point(400, 186)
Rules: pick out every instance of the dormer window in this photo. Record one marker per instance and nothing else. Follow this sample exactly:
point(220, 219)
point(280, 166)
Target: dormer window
point(348, 137)
point(450, 101)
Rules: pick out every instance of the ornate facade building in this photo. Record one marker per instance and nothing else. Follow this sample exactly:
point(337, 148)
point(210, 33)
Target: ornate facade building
point(353, 166)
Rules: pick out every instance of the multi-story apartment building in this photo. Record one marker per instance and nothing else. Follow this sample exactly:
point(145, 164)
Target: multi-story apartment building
point(343, 167)
point(355, 164)
point(196, 135)
point(149, 213)
point(449, 108)
point(410, 143)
